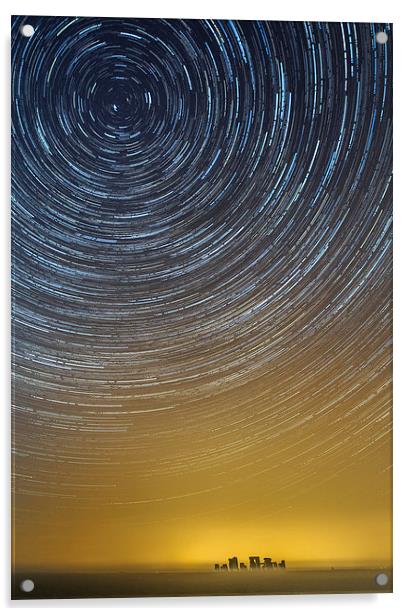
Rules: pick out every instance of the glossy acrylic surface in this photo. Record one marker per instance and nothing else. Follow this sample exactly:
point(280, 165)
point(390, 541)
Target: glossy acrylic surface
point(202, 307)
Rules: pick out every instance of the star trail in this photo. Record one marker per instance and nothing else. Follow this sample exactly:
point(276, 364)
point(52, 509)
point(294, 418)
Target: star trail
point(201, 287)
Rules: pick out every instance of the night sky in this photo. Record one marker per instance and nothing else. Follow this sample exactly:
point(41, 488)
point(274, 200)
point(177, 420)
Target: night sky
point(202, 309)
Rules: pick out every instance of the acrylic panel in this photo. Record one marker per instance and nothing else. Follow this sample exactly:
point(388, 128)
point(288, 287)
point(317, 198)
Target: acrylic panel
point(201, 307)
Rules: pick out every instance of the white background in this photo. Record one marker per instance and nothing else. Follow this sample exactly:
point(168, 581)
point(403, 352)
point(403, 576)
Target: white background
point(395, 11)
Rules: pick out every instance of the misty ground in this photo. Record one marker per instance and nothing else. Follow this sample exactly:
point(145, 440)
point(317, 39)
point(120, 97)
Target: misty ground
point(310, 581)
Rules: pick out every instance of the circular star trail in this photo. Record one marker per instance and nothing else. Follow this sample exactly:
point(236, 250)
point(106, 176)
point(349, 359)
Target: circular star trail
point(201, 258)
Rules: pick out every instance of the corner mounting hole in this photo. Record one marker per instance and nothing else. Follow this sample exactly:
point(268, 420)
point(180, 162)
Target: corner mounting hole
point(27, 30)
point(27, 585)
point(382, 579)
point(381, 38)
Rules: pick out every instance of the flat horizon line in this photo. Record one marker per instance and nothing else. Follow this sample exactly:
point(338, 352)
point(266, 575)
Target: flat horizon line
point(196, 568)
